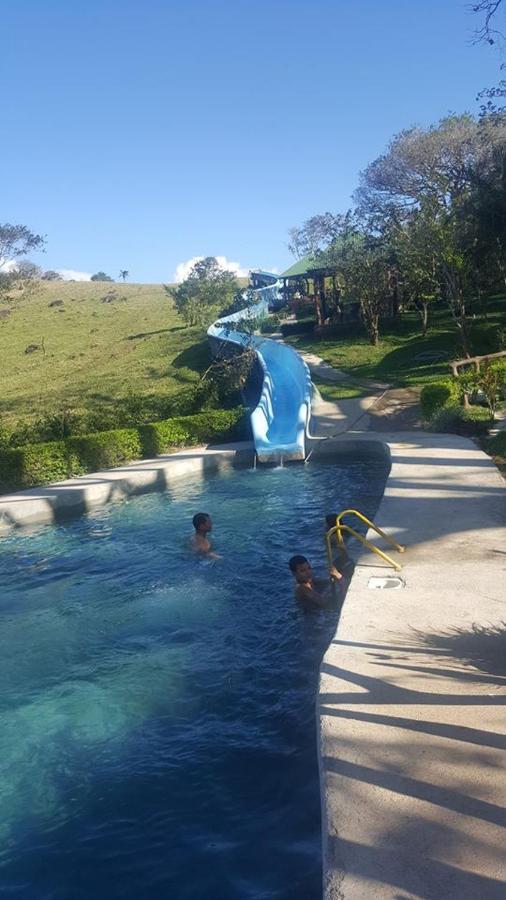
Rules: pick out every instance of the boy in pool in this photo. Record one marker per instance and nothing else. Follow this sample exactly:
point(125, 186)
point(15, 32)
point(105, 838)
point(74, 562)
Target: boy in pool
point(199, 542)
point(310, 591)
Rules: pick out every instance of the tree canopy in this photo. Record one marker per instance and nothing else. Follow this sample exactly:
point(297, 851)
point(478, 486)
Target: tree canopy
point(205, 293)
point(430, 213)
point(101, 276)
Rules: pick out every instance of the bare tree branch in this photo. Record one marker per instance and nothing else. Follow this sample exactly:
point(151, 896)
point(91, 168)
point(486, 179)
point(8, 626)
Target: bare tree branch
point(487, 34)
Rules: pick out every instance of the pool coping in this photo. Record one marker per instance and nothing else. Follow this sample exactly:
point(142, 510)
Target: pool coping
point(66, 499)
point(411, 727)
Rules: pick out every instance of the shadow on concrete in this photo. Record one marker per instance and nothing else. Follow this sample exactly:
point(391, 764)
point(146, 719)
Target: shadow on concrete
point(408, 856)
point(446, 881)
point(481, 646)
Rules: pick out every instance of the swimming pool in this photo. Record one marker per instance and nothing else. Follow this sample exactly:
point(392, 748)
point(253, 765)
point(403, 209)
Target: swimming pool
point(157, 723)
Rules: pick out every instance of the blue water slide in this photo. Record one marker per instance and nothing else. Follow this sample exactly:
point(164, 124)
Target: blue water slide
point(280, 420)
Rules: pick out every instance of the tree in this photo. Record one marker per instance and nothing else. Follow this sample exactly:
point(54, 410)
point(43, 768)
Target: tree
point(315, 235)
point(16, 241)
point(206, 291)
point(417, 255)
point(123, 274)
point(439, 170)
point(364, 262)
point(51, 275)
point(28, 270)
point(101, 276)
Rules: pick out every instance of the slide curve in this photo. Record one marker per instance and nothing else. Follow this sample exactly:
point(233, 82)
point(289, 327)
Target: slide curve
point(280, 420)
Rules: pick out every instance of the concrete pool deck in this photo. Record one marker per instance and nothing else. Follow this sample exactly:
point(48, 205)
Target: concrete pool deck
point(412, 696)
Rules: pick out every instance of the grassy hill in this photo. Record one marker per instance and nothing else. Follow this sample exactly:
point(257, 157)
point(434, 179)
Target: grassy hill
point(94, 340)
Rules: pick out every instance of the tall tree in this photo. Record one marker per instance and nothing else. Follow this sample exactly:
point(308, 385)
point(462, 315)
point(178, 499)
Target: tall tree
point(438, 169)
point(123, 274)
point(207, 290)
point(15, 242)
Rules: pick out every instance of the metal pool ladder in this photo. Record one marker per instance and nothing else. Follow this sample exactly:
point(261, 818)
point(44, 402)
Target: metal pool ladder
point(339, 529)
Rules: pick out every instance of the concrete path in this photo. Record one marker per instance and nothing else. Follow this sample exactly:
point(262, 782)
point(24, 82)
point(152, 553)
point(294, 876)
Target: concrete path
point(413, 686)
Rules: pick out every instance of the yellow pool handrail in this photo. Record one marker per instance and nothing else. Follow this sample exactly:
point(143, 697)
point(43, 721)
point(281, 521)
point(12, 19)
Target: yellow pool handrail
point(346, 512)
point(339, 529)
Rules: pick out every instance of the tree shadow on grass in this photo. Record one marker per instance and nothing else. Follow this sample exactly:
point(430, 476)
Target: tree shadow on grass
point(143, 334)
point(402, 362)
point(197, 357)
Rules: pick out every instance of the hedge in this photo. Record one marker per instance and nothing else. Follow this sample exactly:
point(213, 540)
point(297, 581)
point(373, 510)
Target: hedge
point(37, 464)
point(468, 421)
point(302, 326)
point(437, 395)
point(106, 449)
point(497, 445)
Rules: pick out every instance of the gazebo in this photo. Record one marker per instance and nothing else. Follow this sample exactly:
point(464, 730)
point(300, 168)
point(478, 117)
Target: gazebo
point(312, 274)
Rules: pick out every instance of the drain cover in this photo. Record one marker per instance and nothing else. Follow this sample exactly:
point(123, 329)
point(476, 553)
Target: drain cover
point(388, 583)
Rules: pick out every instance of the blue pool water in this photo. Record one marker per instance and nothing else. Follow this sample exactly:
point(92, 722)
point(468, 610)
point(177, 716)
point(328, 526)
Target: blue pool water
point(157, 720)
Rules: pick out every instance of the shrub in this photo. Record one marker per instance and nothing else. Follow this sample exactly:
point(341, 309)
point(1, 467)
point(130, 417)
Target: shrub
point(304, 326)
point(270, 325)
point(487, 338)
point(34, 464)
point(107, 448)
point(210, 425)
point(470, 421)
point(497, 445)
point(437, 395)
point(41, 463)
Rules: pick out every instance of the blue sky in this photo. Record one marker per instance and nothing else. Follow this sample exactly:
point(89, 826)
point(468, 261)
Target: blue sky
point(137, 135)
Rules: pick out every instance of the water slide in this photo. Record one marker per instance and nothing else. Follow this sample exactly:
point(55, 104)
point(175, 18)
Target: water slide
point(280, 420)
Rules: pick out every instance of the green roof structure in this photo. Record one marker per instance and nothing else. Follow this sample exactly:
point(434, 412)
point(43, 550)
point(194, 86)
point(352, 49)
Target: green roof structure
point(301, 267)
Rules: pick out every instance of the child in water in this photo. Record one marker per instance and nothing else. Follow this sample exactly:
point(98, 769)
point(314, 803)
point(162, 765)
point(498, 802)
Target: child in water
point(310, 591)
point(199, 542)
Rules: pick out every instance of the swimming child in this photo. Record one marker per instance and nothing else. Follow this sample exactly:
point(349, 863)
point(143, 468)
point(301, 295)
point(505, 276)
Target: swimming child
point(310, 591)
point(199, 542)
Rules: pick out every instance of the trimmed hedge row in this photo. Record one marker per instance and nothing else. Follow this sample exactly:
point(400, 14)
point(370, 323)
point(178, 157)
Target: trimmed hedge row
point(467, 421)
point(437, 395)
point(441, 410)
point(37, 464)
point(497, 445)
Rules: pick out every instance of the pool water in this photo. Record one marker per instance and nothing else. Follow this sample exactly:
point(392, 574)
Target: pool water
point(157, 719)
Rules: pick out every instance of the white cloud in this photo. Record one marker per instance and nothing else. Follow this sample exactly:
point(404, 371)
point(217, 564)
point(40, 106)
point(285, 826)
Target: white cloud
point(72, 275)
point(183, 268)
point(8, 265)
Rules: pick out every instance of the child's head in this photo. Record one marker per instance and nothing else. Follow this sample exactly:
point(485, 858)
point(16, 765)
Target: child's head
point(300, 567)
point(202, 523)
point(330, 520)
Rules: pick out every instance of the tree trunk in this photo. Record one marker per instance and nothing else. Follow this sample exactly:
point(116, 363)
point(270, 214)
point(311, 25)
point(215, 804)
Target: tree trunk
point(457, 305)
point(424, 312)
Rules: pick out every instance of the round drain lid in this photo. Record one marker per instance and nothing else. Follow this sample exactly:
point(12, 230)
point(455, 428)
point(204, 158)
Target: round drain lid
point(385, 583)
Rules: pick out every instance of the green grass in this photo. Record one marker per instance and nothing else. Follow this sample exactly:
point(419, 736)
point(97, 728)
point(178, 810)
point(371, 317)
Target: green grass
point(333, 392)
point(395, 359)
point(93, 351)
